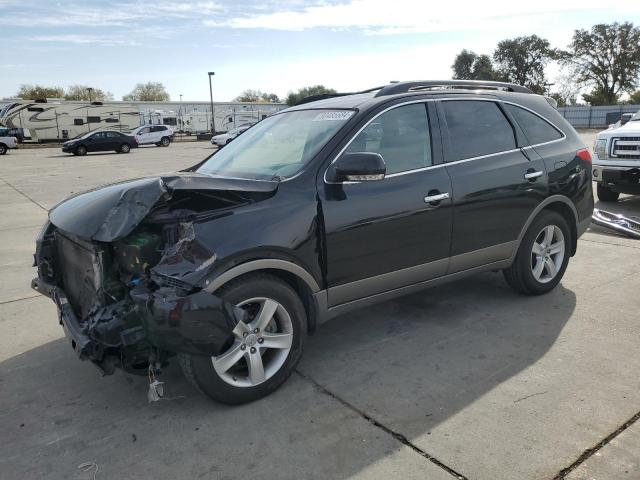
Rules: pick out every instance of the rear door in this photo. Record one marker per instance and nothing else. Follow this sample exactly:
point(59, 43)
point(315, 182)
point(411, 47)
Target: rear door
point(496, 184)
point(383, 235)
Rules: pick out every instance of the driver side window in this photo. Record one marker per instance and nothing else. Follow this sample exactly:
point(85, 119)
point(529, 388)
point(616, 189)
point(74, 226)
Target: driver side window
point(401, 136)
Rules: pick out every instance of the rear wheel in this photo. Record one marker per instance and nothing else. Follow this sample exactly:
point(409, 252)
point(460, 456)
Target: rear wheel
point(605, 194)
point(3, 149)
point(543, 255)
point(81, 150)
point(263, 351)
point(125, 148)
point(165, 141)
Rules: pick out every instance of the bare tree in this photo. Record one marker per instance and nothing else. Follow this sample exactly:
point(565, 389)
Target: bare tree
point(148, 92)
point(37, 92)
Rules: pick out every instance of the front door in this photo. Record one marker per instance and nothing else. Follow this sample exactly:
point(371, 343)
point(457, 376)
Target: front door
point(382, 235)
point(496, 184)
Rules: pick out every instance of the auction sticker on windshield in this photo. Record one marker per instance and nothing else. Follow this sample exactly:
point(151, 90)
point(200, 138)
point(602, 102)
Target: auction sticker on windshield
point(329, 116)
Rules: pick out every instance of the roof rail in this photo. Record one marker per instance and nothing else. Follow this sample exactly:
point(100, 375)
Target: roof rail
point(405, 87)
point(323, 96)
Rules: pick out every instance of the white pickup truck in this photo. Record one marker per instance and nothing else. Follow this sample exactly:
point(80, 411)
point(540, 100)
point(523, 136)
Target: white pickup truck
point(6, 142)
point(616, 164)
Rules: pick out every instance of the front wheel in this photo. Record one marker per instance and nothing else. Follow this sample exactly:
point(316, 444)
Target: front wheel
point(263, 351)
point(605, 194)
point(3, 149)
point(165, 141)
point(543, 255)
point(81, 150)
point(125, 148)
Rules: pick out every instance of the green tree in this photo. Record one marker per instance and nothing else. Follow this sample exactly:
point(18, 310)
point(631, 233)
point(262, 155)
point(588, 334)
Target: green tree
point(295, 97)
point(598, 96)
point(522, 60)
point(81, 93)
point(37, 92)
point(257, 96)
point(470, 66)
point(148, 92)
point(634, 98)
point(607, 57)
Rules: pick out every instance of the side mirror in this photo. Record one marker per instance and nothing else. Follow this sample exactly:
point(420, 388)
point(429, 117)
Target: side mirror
point(357, 167)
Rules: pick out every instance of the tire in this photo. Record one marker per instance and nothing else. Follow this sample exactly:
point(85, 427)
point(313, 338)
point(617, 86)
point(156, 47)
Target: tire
point(605, 194)
point(538, 271)
point(125, 148)
point(80, 151)
point(3, 149)
point(278, 363)
point(228, 141)
point(165, 141)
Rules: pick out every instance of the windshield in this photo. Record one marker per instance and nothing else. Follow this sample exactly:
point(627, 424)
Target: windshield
point(278, 147)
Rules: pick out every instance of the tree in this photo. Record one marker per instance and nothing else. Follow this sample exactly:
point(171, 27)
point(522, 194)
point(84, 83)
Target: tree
point(36, 92)
point(634, 98)
point(566, 90)
point(295, 97)
point(148, 92)
point(608, 58)
point(81, 93)
point(522, 60)
point(470, 66)
point(598, 96)
point(257, 96)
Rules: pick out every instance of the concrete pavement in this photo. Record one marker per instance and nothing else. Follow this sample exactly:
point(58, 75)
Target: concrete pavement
point(465, 379)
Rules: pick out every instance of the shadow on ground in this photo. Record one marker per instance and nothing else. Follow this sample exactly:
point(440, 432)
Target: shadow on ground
point(416, 361)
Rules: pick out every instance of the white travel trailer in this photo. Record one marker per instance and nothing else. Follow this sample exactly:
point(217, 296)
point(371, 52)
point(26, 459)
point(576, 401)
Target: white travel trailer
point(59, 120)
point(159, 117)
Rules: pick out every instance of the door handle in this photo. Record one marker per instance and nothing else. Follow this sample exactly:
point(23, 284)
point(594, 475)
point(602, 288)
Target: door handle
point(436, 198)
point(532, 175)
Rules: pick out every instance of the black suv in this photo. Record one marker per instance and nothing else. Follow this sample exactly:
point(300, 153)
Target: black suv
point(328, 206)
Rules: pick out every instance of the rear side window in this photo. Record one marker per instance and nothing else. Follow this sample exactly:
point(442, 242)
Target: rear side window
point(93, 119)
point(401, 136)
point(476, 128)
point(535, 128)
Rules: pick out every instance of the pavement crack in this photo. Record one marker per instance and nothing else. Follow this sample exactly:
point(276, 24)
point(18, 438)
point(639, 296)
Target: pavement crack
point(18, 299)
point(398, 436)
point(562, 474)
point(24, 195)
point(529, 396)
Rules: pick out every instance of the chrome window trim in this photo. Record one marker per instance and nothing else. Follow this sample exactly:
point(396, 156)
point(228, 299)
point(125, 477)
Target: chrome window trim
point(444, 164)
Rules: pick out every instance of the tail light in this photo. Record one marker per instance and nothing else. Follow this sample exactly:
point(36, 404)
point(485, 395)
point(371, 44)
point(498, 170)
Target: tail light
point(584, 155)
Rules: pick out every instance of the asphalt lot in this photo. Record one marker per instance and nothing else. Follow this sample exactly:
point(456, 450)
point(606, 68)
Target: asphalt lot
point(467, 378)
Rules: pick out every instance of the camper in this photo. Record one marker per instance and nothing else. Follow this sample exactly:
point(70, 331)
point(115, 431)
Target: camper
point(55, 120)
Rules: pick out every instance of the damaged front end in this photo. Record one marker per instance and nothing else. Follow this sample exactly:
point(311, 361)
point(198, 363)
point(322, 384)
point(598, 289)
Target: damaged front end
point(125, 267)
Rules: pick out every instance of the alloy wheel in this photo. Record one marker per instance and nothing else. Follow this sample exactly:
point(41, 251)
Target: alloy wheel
point(260, 346)
point(547, 253)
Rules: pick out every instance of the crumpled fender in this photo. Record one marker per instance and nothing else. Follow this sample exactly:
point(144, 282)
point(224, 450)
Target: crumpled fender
point(199, 323)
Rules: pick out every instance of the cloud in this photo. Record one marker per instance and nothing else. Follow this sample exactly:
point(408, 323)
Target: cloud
point(86, 39)
point(378, 17)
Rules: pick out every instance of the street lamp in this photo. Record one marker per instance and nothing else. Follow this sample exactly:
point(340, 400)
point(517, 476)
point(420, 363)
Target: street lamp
point(180, 115)
point(213, 128)
point(89, 89)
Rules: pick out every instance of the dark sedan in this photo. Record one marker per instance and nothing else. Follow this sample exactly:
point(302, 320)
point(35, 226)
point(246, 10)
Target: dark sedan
point(102, 141)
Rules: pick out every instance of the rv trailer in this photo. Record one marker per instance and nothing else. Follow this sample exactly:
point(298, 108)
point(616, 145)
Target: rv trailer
point(59, 120)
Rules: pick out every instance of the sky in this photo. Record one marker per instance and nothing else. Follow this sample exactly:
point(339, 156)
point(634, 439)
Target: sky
point(276, 47)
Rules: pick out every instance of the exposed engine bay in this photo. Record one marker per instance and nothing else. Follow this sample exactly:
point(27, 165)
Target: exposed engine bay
point(127, 269)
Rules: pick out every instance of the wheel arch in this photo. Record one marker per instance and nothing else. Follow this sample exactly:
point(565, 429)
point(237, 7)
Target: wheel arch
point(559, 204)
point(303, 283)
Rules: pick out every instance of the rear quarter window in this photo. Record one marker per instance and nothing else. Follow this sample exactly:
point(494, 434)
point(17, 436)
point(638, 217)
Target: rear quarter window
point(476, 128)
point(535, 129)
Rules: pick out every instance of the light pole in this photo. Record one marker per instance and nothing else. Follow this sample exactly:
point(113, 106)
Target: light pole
point(180, 115)
point(89, 89)
point(213, 127)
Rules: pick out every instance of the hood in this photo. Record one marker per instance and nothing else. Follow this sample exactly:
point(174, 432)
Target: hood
point(629, 128)
point(112, 212)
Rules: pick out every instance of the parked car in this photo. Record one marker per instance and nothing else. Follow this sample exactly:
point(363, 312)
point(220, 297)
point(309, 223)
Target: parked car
point(101, 141)
point(159, 135)
point(616, 164)
point(7, 142)
point(226, 138)
point(624, 118)
point(318, 209)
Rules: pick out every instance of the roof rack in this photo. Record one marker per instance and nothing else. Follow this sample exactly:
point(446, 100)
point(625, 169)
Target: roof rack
point(406, 87)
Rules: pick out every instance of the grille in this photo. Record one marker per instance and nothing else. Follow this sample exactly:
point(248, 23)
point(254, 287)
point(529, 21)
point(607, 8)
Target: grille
point(173, 282)
point(80, 273)
point(626, 147)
